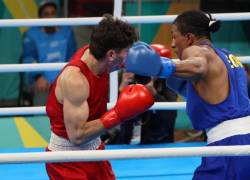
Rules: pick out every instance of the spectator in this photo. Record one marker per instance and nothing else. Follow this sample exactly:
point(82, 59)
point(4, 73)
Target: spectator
point(46, 45)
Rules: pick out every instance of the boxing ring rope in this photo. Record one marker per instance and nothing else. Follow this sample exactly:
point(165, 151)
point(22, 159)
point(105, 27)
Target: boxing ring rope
point(95, 20)
point(4, 68)
point(14, 111)
point(94, 155)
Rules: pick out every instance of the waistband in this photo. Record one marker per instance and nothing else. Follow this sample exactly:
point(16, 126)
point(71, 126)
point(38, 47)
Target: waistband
point(238, 126)
point(58, 143)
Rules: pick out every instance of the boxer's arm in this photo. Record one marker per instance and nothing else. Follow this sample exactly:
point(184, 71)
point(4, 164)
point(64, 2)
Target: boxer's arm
point(178, 85)
point(133, 100)
point(75, 91)
point(194, 63)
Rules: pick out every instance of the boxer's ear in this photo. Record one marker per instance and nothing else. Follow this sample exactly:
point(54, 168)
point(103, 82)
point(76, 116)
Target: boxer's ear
point(190, 38)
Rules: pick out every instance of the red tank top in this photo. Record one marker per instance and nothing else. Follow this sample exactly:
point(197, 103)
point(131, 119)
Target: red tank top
point(97, 100)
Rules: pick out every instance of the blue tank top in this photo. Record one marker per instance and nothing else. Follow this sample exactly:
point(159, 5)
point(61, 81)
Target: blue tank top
point(204, 115)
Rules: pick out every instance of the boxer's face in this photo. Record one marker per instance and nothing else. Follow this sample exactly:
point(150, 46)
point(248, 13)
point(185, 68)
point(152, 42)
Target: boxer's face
point(116, 59)
point(179, 41)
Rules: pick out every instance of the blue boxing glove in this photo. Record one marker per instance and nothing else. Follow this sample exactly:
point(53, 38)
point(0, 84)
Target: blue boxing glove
point(143, 60)
point(167, 67)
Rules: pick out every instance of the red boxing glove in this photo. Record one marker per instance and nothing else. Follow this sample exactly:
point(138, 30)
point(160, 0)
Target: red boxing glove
point(133, 100)
point(162, 50)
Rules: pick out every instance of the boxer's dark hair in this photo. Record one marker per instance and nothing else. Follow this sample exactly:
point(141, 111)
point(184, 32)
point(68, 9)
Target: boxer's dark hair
point(111, 33)
point(196, 22)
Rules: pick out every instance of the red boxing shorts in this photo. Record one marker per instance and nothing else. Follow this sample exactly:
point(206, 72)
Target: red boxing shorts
point(100, 170)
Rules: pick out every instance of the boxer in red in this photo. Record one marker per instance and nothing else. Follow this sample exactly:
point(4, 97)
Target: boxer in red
point(77, 104)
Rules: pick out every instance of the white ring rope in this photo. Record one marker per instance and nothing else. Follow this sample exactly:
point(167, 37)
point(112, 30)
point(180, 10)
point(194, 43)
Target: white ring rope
point(93, 155)
point(95, 20)
point(40, 110)
point(4, 68)
point(31, 67)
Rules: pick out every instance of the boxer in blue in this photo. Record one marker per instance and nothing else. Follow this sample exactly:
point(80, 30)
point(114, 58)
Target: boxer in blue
point(214, 84)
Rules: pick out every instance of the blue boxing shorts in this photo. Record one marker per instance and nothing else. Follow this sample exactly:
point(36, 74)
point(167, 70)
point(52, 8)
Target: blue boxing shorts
point(230, 167)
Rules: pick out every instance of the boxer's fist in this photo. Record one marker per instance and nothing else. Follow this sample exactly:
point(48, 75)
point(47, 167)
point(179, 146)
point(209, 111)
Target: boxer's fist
point(162, 50)
point(144, 60)
point(133, 100)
